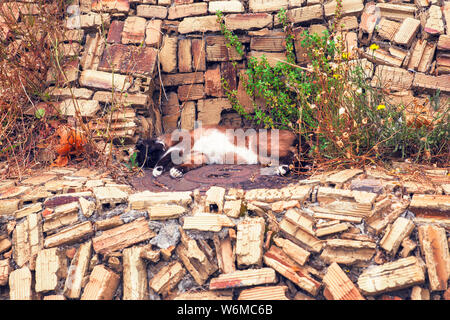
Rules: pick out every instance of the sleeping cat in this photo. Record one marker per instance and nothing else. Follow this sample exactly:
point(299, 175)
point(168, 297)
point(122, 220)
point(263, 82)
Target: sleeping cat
point(182, 151)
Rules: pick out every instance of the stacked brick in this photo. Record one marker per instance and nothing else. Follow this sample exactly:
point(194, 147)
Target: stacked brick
point(193, 56)
point(164, 60)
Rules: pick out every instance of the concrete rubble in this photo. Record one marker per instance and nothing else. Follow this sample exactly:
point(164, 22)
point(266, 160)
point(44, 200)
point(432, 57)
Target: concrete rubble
point(110, 244)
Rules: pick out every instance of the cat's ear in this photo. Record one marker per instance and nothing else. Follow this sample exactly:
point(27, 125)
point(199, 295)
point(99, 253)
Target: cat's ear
point(158, 146)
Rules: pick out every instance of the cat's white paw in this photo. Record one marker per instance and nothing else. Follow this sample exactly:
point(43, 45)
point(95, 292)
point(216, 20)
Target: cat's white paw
point(157, 171)
point(282, 170)
point(175, 173)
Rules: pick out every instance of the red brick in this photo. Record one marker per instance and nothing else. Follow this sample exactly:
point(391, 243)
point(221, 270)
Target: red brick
point(46, 212)
point(446, 294)
point(228, 72)
point(198, 54)
point(182, 78)
point(388, 297)
point(213, 85)
point(129, 59)
point(184, 55)
point(191, 92)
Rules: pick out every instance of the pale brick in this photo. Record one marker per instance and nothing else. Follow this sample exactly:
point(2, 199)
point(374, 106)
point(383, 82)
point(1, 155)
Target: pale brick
point(147, 11)
point(198, 55)
point(51, 266)
point(249, 241)
point(110, 5)
point(188, 115)
point(77, 271)
point(102, 284)
point(408, 29)
point(134, 30)
point(199, 24)
point(348, 7)
point(226, 6)
point(304, 14)
point(248, 21)
point(267, 5)
point(434, 247)
point(85, 108)
point(134, 275)
point(153, 33)
point(209, 110)
point(20, 284)
point(187, 10)
point(104, 80)
point(168, 54)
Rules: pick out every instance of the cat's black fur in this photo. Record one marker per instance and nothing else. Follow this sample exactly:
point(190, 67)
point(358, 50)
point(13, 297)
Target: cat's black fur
point(149, 152)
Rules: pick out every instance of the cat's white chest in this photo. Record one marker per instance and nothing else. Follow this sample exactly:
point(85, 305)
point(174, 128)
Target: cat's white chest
point(217, 147)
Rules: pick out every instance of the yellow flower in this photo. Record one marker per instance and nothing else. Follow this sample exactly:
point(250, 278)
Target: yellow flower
point(345, 55)
point(374, 46)
point(337, 76)
point(381, 107)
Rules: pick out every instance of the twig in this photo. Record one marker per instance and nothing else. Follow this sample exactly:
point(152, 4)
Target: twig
point(160, 185)
point(25, 91)
point(294, 65)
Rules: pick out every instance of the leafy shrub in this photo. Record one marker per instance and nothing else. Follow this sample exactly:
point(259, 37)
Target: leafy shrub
point(332, 105)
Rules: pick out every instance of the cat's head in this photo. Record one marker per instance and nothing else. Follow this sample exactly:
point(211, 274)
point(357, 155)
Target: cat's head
point(149, 152)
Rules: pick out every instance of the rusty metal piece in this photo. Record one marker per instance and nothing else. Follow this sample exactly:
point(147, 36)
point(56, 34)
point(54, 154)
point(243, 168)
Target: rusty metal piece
point(59, 200)
point(230, 176)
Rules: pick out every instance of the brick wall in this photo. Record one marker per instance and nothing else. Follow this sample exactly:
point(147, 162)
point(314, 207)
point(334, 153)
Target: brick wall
point(164, 59)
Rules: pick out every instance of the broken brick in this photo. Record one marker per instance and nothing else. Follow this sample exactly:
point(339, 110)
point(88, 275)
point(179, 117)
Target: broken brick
point(196, 260)
point(243, 278)
point(391, 276)
point(102, 284)
point(339, 286)
point(167, 278)
point(213, 83)
point(434, 247)
point(249, 242)
point(123, 236)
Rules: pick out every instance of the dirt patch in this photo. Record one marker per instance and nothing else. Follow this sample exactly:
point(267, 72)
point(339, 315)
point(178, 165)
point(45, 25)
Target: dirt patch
point(231, 176)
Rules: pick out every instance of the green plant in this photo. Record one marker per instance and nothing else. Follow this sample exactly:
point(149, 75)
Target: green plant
point(332, 105)
point(233, 40)
point(132, 162)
